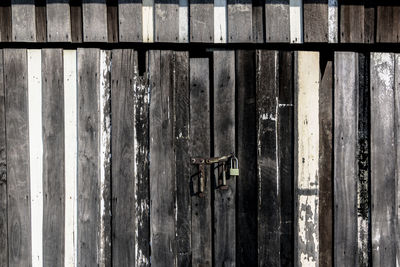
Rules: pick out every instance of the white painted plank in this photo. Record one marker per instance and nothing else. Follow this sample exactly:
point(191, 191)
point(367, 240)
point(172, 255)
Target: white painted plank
point(148, 21)
point(220, 21)
point(296, 21)
point(36, 153)
point(333, 21)
point(183, 21)
point(71, 147)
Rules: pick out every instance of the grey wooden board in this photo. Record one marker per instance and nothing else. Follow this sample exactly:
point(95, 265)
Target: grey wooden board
point(387, 28)
point(130, 20)
point(18, 182)
point(200, 147)
point(162, 165)
point(166, 21)
point(201, 21)
point(53, 155)
point(240, 17)
point(5, 23)
point(258, 21)
point(124, 71)
point(58, 21)
point(267, 162)
point(3, 171)
point(23, 21)
point(94, 18)
point(345, 158)
point(224, 143)
point(383, 160)
point(315, 19)
point(277, 25)
point(247, 155)
point(88, 156)
point(76, 21)
point(112, 22)
point(40, 18)
point(397, 147)
point(351, 23)
point(182, 158)
point(369, 21)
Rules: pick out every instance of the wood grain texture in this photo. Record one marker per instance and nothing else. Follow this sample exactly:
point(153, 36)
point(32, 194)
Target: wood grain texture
point(130, 21)
point(333, 21)
point(200, 147)
point(76, 21)
point(220, 21)
point(351, 23)
point(148, 21)
point(201, 21)
point(40, 18)
point(258, 21)
point(23, 21)
point(58, 21)
point(315, 21)
point(277, 21)
point(383, 160)
point(240, 17)
point(94, 21)
point(397, 145)
point(387, 23)
point(5, 21)
point(369, 21)
point(246, 252)
point(18, 184)
point(88, 156)
point(166, 21)
point(112, 21)
point(183, 21)
point(224, 143)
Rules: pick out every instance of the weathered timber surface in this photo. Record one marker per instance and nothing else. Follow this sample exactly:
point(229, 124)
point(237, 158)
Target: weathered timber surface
point(397, 147)
point(130, 20)
point(258, 21)
point(5, 22)
point(240, 18)
point(23, 21)
point(387, 23)
point(112, 21)
point(58, 21)
point(369, 21)
point(166, 21)
point(277, 22)
point(94, 20)
point(76, 21)
point(351, 23)
point(40, 18)
point(315, 21)
point(201, 21)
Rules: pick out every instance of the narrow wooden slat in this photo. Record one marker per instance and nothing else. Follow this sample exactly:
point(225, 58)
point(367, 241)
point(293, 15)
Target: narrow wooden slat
point(112, 21)
point(183, 21)
point(76, 20)
point(397, 144)
point(148, 21)
point(5, 21)
point(58, 21)
point(220, 21)
point(369, 21)
point(387, 25)
point(224, 143)
point(247, 149)
point(258, 21)
point(201, 21)
point(88, 157)
point(17, 138)
point(240, 17)
point(306, 229)
point(316, 21)
point(383, 160)
point(94, 18)
point(351, 23)
point(123, 156)
point(23, 21)
point(277, 21)
point(130, 20)
point(200, 147)
point(40, 17)
point(166, 26)
point(333, 21)
point(296, 21)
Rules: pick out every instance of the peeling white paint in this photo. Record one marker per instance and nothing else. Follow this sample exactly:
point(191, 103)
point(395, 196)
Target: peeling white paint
point(383, 63)
point(220, 21)
point(296, 21)
point(332, 21)
point(148, 21)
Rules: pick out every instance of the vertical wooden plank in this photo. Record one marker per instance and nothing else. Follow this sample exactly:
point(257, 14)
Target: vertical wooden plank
point(200, 147)
point(71, 153)
point(167, 21)
point(397, 137)
point(88, 156)
point(58, 21)
point(5, 21)
point(351, 22)
point(112, 21)
point(258, 21)
point(277, 21)
point(201, 21)
point(296, 21)
point(220, 21)
point(383, 160)
point(94, 17)
point(130, 20)
point(240, 17)
point(247, 154)
point(369, 21)
point(224, 143)
point(23, 20)
point(18, 187)
point(148, 21)
point(183, 21)
point(306, 243)
point(388, 16)
point(40, 17)
point(333, 21)
point(316, 21)
point(76, 20)
point(124, 73)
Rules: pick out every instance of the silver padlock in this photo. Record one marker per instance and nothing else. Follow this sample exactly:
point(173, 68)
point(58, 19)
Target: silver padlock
point(234, 170)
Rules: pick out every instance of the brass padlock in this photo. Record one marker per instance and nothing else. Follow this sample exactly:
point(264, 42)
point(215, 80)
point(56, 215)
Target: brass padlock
point(234, 170)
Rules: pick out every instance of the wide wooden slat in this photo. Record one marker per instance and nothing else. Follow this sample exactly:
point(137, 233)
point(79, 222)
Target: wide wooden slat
point(316, 21)
point(23, 21)
point(58, 21)
point(200, 147)
point(94, 18)
point(76, 20)
point(387, 23)
point(130, 20)
point(333, 21)
point(41, 21)
point(18, 184)
point(220, 21)
point(258, 21)
point(201, 21)
point(277, 21)
point(351, 23)
point(240, 17)
point(166, 21)
point(5, 21)
point(224, 143)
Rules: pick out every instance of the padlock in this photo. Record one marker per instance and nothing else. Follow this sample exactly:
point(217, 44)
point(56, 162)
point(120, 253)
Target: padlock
point(234, 170)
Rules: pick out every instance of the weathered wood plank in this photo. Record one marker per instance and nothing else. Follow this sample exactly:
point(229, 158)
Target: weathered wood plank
point(351, 23)
point(112, 21)
point(258, 21)
point(369, 21)
point(5, 21)
point(306, 241)
point(296, 21)
point(247, 154)
point(18, 182)
point(23, 20)
point(277, 21)
point(224, 143)
point(183, 21)
point(387, 23)
point(383, 160)
point(130, 20)
point(40, 17)
point(76, 20)
point(166, 21)
point(316, 21)
point(94, 18)
point(333, 21)
point(200, 147)
point(148, 21)
point(201, 21)
point(88, 156)
point(53, 155)
point(240, 17)
point(58, 21)
point(397, 144)
point(220, 21)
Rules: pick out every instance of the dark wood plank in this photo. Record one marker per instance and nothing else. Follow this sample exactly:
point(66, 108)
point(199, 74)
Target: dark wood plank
point(200, 147)
point(369, 21)
point(17, 139)
point(123, 160)
point(268, 205)
point(201, 21)
point(388, 28)
point(94, 18)
point(112, 21)
point(40, 17)
point(224, 143)
point(166, 21)
point(130, 20)
point(76, 20)
point(58, 21)
point(23, 20)
point(246, 253)
point(258, 21)
point(315, 17)
point(88, 156)
point(277, 21)
point(240, 17)
point(53, 155)
point(351, 23)
point(5, 21)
